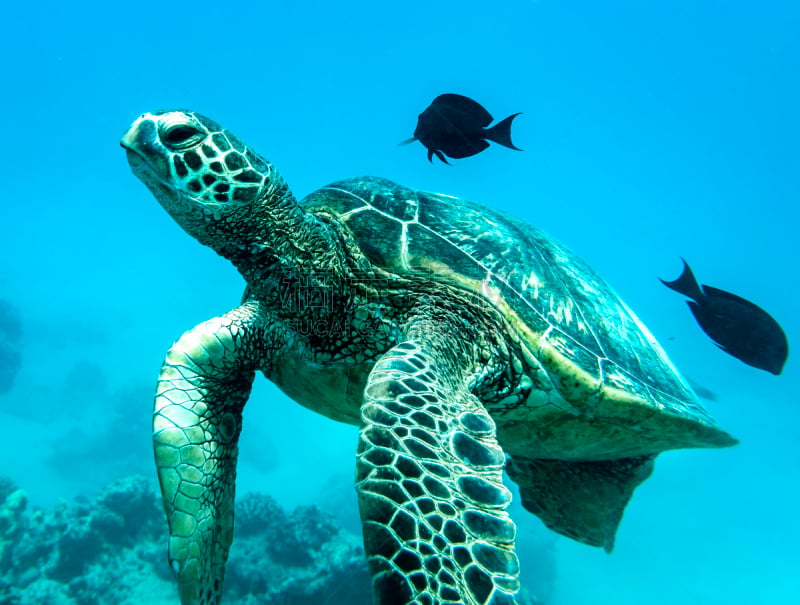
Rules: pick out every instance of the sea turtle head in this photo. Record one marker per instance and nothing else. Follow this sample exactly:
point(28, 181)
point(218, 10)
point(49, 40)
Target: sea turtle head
point(204, 176)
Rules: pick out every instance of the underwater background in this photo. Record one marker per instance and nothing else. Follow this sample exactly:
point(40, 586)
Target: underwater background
point(651, 130)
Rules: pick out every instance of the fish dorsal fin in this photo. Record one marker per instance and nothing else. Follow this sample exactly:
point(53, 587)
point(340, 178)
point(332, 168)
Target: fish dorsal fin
point(686, 284)
point(467, 105)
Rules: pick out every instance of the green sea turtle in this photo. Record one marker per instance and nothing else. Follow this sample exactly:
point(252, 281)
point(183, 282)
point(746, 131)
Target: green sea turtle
point(460, 340)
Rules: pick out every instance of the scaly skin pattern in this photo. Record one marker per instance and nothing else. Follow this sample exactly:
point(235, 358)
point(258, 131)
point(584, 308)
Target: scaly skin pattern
point(429, 479)
point(429, 466)
point(352, 309)
point(203, 386)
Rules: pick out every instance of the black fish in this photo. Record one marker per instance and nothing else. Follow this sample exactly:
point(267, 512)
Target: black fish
point(456, 126)
point(736, 325)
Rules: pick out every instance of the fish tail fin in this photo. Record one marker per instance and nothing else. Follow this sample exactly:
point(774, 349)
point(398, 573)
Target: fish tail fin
point(407, 141)
point(501, 132)
point(686, 284)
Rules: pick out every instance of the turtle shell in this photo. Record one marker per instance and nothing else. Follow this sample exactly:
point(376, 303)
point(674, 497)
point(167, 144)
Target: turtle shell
point(579, 330)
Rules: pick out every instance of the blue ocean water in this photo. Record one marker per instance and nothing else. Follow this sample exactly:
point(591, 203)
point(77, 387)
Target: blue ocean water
point(651, 130)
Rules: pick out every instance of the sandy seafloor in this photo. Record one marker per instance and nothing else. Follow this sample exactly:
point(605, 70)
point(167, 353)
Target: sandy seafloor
point(651, 130)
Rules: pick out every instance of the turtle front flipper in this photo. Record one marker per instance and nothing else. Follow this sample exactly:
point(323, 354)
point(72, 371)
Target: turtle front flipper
point(429, 479)
point(203, 386)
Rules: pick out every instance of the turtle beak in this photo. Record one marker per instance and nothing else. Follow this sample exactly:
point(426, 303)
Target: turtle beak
point(129, 138)
point(128, 143)
point(143, 148)
point(134, 142)
point(139, 132)
point(134, 159)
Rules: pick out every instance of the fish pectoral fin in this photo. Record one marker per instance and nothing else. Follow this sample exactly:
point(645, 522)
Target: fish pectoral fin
point(439, 155)
point(407, 141)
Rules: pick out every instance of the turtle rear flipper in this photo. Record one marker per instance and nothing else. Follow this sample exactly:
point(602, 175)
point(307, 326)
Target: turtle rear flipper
point(581, 500)
point(429, 479)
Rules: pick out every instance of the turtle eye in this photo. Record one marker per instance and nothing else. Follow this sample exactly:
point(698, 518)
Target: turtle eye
point(182, 136)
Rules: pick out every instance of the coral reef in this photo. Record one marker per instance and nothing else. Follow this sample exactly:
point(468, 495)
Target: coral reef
point(7, 486)
point(112, 550)
point(12, 508)
point(10, 345)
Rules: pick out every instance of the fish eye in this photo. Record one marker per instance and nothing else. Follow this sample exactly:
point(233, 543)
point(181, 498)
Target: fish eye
point(182, 136)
